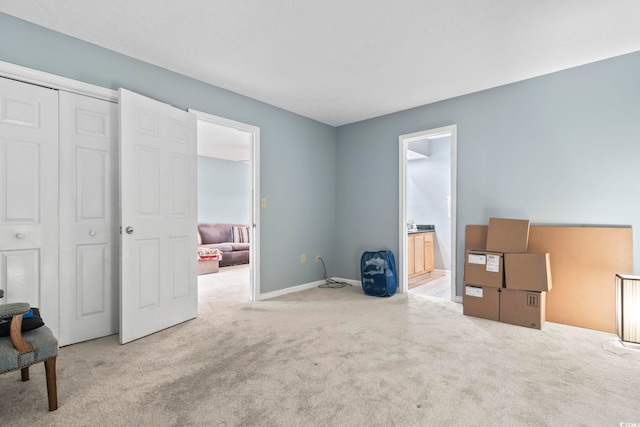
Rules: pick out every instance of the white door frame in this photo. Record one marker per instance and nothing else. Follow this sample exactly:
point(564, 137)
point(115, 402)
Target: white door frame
point(53, 81)
point(254, 254)
point(402, 223)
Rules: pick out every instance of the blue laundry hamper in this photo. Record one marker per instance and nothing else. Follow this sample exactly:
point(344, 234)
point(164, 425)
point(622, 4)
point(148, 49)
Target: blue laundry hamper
point(378, 272)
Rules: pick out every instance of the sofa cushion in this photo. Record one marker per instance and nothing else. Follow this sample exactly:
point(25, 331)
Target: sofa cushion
point(240, 246)
point(239, 234)
point(215, 233)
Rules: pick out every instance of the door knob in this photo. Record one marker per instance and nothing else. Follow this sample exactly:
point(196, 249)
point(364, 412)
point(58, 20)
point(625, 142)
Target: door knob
point(129, 230)
point(20, 236)
point(92, 232)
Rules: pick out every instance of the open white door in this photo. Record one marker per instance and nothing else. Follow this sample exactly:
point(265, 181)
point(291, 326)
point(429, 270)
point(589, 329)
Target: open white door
point(158, 287)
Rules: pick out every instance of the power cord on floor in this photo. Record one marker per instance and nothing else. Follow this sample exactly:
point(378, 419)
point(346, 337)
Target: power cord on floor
point(330, 283)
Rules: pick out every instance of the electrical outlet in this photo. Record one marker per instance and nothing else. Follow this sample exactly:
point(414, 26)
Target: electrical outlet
point(303, 258)
point(317, 257)
point(264, 203)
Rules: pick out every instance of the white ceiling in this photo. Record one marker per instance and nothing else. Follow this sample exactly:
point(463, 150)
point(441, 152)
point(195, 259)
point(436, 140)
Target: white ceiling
point(223, 142)
point(340, 61)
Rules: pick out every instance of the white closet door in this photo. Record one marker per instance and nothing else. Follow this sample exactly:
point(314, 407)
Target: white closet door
point(29, 197)
point(88, 208)
point(158, 214)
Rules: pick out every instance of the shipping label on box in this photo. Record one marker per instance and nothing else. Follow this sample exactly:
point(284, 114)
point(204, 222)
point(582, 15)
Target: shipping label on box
point(473, 291)
point(493, 263)
point(477, 259)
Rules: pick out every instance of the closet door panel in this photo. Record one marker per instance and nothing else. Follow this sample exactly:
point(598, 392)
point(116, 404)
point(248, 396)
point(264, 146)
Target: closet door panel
point(88, 244)
point(29, 197)
point(21, 164)
point(20, 269)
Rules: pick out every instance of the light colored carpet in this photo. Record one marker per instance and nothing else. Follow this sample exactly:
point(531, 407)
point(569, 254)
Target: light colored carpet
point(334, 357)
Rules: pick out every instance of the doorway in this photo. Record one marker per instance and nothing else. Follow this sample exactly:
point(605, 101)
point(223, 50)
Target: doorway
point(415, 146)
point(230, 142)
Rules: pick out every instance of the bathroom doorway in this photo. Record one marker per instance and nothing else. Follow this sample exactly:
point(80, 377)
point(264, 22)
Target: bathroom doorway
point(427, 213)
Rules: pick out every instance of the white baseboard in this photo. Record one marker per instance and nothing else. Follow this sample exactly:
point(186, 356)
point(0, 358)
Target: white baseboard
point(292, 289)
point(303, 287)
point(349, 281)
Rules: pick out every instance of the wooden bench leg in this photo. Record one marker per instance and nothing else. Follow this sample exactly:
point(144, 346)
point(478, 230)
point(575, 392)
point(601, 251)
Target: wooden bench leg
point(52, 389)
point(25, 373)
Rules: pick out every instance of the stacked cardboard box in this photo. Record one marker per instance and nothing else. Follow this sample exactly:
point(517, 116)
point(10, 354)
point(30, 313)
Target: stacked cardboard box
point(505, 282)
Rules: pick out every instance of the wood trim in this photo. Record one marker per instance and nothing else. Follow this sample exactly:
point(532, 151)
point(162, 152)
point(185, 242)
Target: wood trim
point(285, 291)
point(15, 332)
point(402, 267)
point(41, 78)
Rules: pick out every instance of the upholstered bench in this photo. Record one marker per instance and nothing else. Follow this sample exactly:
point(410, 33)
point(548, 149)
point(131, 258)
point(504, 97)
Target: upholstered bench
point(22, 349)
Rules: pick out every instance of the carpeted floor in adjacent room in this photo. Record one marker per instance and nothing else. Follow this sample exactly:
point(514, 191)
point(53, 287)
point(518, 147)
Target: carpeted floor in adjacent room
point(334, 357)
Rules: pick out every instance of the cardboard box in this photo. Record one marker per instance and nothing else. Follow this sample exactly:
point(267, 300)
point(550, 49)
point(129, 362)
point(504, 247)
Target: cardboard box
point(523, 308)
point(475, 237)
point(484, 268)
point(585, 258)
point(481, 301)
point(508, 235)
point(527, 272)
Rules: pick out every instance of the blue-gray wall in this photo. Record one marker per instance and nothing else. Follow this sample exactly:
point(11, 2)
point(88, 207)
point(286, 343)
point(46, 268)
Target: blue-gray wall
point(224, 191)
point(428, 185)
point(561, 149)
point(557, 149)
point(297, 155)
